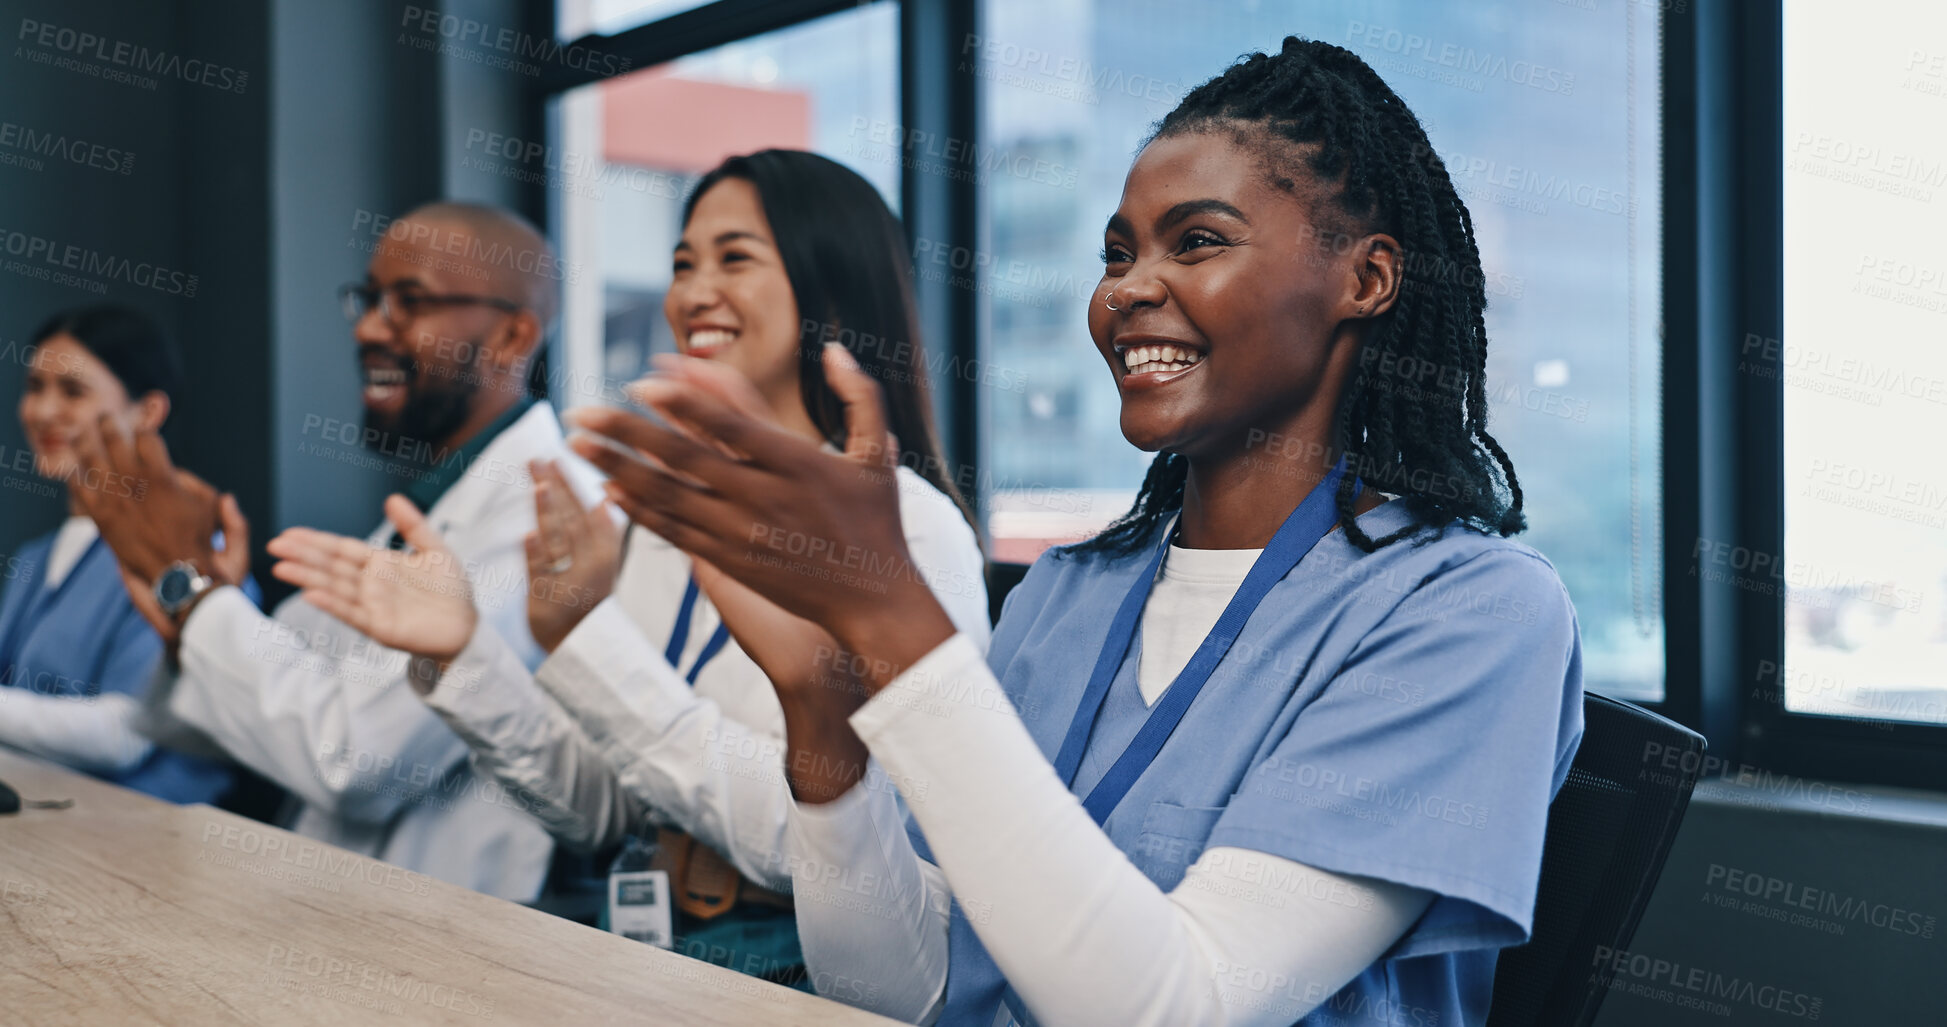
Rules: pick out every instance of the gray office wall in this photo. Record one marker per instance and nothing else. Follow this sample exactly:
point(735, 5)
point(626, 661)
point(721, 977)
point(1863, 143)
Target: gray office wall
point(367, 125)
point(184, 198)
point(263, 183)
point(354, 138)
point(1803, 904)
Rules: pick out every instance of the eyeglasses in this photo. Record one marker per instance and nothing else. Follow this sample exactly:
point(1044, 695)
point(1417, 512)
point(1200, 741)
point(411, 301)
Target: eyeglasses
point(399, 308)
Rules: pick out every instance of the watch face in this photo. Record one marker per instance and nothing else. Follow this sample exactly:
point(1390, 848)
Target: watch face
point(173, 587)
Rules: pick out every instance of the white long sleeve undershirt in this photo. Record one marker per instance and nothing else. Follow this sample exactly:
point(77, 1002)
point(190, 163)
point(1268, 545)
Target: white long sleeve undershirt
point(1080, 933)
point(93, 733)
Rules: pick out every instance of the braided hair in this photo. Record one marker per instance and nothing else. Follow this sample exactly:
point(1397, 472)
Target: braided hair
point(1400, 435)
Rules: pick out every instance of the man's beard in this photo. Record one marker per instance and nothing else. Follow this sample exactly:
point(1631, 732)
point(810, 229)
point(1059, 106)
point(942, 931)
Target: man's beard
point(429, 417)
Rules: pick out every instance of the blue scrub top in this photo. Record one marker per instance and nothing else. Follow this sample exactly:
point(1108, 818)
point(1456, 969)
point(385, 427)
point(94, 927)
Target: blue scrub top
point(84, 639)
point(1406, 715)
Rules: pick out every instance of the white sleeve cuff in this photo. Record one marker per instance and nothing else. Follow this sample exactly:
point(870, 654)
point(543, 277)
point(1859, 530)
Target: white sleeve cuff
point(836, 832)
point(923, 689)
point(486, 680)
point(210, 640)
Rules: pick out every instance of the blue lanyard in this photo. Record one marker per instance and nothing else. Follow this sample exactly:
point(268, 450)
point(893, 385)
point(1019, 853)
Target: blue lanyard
point(1296, 537)
point(681, 636)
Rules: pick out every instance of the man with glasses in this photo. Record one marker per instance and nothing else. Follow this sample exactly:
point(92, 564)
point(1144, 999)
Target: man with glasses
point(448, 323)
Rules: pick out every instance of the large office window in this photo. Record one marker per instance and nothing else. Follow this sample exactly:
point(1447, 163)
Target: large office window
point(1863, 365)
point(576, 18)
point(627, 150)
point(1547, 117)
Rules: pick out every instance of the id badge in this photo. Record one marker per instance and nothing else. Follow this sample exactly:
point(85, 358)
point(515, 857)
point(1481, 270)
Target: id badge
point(638, 907)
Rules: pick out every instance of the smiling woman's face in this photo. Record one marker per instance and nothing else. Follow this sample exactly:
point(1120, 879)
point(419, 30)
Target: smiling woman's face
point(729, 298)
point(1228, 309)
point(68, 387)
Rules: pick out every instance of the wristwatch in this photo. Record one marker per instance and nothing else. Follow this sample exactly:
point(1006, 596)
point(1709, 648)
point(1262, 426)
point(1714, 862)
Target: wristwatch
point(180, 585)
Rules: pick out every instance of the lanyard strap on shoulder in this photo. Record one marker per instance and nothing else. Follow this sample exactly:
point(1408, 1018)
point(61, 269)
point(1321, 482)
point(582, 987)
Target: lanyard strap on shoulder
point(1301, 531)
point(679, 636)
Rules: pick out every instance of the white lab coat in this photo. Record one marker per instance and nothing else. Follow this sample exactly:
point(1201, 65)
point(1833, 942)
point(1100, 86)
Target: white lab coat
point(328, 714)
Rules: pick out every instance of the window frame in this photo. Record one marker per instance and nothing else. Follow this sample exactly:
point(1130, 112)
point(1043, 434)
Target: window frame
point(1723, 259)
point(1722, 137)
point(936, 98)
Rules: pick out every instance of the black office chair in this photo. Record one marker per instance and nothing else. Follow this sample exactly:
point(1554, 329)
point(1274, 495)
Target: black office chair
point(1609, 830)
point(1001, 579)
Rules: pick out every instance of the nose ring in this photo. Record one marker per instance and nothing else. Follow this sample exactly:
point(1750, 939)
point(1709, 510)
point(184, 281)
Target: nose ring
point(1106, 299)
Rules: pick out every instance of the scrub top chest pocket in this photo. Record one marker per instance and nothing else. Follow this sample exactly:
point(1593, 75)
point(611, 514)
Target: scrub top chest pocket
point(1172, 838)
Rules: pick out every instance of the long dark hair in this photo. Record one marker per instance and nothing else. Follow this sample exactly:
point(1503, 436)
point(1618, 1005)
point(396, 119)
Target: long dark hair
point(846, 257)
point(1429, 444)
point(126, 341)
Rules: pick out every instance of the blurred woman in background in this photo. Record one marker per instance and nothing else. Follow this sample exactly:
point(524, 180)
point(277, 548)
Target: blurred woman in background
point(75, 655)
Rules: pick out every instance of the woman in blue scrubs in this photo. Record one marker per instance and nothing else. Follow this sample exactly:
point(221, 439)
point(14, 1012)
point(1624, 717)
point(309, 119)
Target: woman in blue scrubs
point(1278, 746)
point(75, 655)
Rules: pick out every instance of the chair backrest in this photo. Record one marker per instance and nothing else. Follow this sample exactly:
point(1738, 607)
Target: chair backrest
point(1001, 579)
point(1609, 830)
